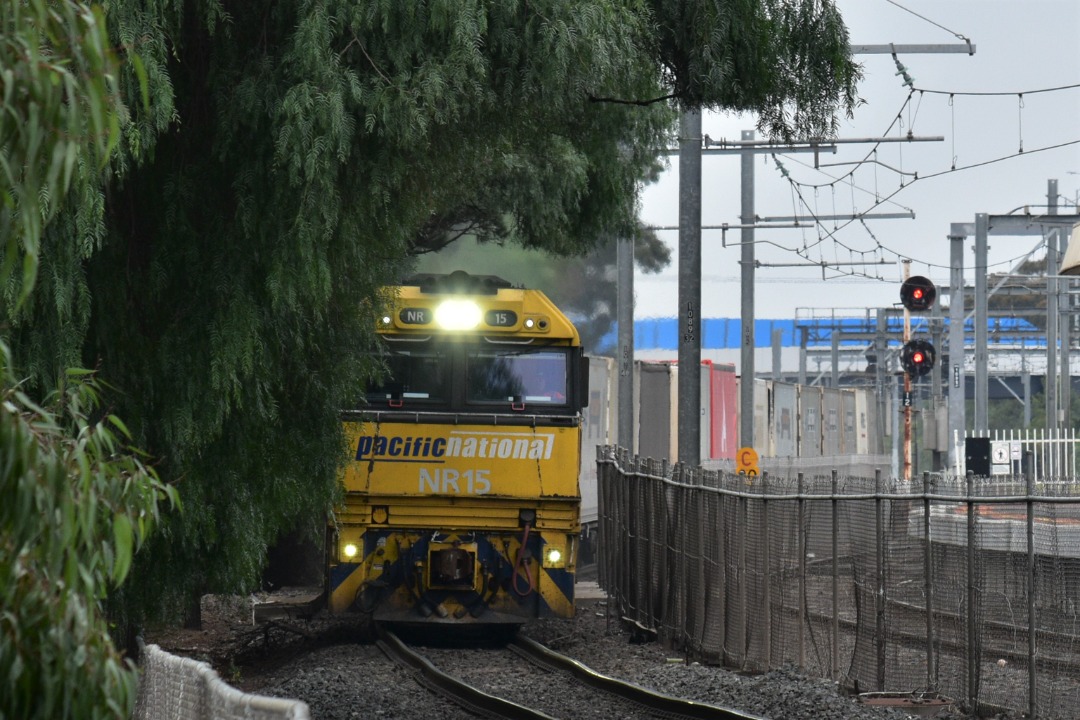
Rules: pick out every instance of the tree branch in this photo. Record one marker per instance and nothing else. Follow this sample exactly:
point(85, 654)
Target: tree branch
point(643, 103)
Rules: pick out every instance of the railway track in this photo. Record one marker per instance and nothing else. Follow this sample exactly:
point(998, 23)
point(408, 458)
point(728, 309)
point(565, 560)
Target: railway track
point(998, 639)
point(487, 681)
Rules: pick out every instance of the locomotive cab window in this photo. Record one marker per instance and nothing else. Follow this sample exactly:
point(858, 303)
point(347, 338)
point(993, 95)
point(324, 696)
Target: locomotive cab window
point(415, 374)
point(533, 377)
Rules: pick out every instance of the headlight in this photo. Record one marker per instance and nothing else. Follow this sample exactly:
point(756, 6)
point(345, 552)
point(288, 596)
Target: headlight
point(553, 557)
point(350, 550)
point(458, 315)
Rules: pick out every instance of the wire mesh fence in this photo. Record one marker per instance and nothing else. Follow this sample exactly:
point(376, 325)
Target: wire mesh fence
point(184, 689)
point(964, 587)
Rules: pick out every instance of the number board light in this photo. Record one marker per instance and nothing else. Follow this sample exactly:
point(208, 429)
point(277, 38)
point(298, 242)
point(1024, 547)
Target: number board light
point(501, 318)
point(415, 316)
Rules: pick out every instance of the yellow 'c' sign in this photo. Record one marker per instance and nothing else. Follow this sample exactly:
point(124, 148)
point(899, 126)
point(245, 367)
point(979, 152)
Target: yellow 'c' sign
point(746, 461)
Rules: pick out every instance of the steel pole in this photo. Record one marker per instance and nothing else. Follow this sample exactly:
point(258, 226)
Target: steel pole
point(626, 343)
point(880, 349)
point(689, 414)
point(906, 471)
point(746, 360)
point(982, 396)
point(957, 383)
point(1050, 386)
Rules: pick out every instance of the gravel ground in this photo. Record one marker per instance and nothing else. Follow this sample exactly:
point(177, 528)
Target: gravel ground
point(354, 680)
point(329, 664)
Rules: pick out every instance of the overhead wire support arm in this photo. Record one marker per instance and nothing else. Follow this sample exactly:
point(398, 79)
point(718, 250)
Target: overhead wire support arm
point(736, 226)
point(811, 219)
point(967, 48)
point(909, 138)
point(788, 222)
point(733, 147)
point(818, 144)
point(824, 263)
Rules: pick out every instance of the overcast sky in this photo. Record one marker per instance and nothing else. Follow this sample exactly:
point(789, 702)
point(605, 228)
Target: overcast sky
point(1021, 48)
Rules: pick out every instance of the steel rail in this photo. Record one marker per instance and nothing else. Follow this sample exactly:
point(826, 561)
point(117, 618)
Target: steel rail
point(669, 706)
point(449, 686)
point(996, 630)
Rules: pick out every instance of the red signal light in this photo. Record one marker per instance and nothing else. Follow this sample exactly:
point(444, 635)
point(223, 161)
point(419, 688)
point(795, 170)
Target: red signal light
point(918, 293)
point(917, 357)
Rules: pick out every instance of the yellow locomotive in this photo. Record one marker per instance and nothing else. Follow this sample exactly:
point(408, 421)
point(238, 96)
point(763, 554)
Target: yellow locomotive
point(461, 494)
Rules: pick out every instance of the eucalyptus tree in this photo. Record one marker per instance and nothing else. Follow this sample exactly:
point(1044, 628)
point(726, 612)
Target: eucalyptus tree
point(292, 157)
point(75, 505)
point(59, 116)
point(75, 501)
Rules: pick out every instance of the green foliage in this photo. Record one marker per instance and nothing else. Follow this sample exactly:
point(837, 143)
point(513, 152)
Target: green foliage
point(59, 117)
point(75, 505)
point(786, 60)
point(1008, 413)
point(290, 158)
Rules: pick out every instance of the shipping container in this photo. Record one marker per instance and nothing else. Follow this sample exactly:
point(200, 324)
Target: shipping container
point(724, 412)
point(657, 412)
point(810, 421)
point(785, 411)
point(598, 427)
point(848, 436)
point(832, 424)
point(762, 418)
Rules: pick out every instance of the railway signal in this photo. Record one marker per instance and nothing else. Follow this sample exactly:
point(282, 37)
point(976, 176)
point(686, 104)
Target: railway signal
point(917, 357)
point(918, 293)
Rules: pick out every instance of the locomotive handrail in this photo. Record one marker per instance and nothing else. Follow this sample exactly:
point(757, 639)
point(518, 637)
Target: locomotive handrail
point(498, 341)
point(407, 338)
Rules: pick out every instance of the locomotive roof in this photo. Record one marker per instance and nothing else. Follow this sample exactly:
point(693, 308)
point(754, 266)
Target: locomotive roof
point(503, 310)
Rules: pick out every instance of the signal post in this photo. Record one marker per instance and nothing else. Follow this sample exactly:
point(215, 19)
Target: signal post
point(917, 357)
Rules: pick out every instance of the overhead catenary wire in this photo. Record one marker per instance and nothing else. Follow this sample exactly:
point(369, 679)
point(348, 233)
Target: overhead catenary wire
point(955, 34)
point(910, 109)
point(870, 159)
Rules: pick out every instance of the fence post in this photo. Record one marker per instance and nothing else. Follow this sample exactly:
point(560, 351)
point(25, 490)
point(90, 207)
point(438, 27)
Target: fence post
point(765, 563)
point(928, 586)
point(973, 651)
point(879, 594)
point(744, 578)
point(661, 542)
point(1029, 482)
point(702, 575)
point(835, 668)
point(801, 521)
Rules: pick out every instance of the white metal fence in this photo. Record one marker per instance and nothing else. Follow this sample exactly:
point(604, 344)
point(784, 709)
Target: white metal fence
point(1043, 453)
point(180, 688)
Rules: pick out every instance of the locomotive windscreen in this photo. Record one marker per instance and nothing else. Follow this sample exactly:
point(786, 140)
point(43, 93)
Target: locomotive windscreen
point(415, 373)
point(458, 375)
point(530, 376)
